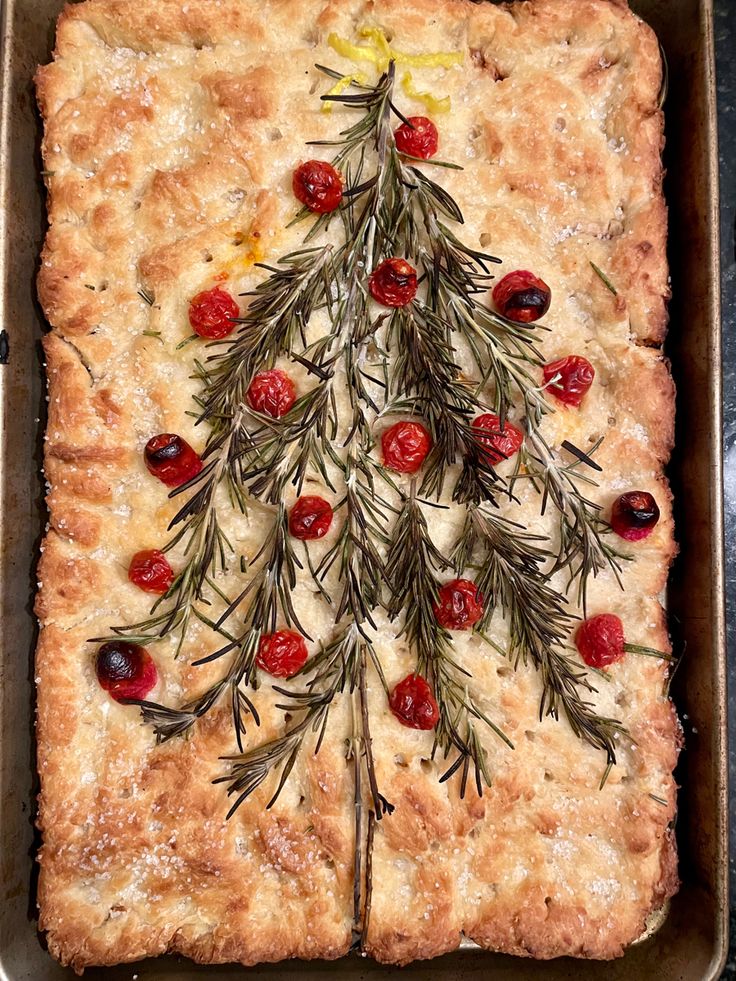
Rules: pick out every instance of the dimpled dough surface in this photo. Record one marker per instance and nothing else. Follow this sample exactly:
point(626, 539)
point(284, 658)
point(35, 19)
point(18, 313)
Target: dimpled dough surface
point(171, 132)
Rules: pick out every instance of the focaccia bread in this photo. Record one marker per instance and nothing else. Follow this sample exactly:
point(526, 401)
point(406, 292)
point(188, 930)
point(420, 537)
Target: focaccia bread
point(172, 130)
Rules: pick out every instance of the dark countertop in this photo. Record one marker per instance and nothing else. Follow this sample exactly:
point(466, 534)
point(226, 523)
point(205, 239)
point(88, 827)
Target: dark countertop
point(725, 28)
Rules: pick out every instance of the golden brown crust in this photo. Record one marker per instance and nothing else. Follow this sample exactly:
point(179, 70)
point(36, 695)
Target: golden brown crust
point(171, 130)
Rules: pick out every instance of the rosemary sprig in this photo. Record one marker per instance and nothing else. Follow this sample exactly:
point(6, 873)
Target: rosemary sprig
point(337, 668)
point(360, 566)
point(411, 565)
point(206, 545)
point(510, 577)
point(425, 371)
point(269, 592)
point(277, 316)
point(457, 275)
point(583, 549)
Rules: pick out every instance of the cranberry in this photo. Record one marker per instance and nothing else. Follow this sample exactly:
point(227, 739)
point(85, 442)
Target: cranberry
point(171, 459)
point(318, 186)
point(522, 297)
point(393, 283)
point(459, 605)
point(634, 515)
point(211, 313)
point(404, 446)
point(150, 571)
point(576, 375)
point(125, 670)
point(310, 518)
point(418, 138)
point(282, 654)
point(498, 443)
point(413, 703)
point(600, 640)
point(272, 392)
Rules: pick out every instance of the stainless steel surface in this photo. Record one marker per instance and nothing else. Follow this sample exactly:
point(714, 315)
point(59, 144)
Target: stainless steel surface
point(691, 942)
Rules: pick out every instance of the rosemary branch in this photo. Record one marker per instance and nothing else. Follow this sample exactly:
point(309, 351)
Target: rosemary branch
point(583, 549)
point(425, 371)
point(269, 592)
point(411, 565)
point(510, 577)
point(337, 668)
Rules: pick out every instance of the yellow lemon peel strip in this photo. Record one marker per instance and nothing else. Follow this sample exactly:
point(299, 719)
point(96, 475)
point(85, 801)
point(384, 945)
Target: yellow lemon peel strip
point(433, 104)
point(353, 52)
point(341, 84)
point(379, 52)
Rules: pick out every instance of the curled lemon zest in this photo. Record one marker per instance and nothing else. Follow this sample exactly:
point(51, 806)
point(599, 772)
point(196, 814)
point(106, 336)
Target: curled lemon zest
point(379, 52)
point(379, 41)
point(433, 104)
point(353, 52)
point(341, 84)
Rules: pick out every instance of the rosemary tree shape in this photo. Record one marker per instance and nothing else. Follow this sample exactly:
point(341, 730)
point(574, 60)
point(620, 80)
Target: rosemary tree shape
point(508, 564)
point(583, 549)
point(390, 208)
point(410, 568)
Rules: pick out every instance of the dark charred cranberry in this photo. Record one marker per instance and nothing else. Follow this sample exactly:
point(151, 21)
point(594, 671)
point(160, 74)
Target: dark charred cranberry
point(600, 640)
point(282, 654)
point(459, 605)
point(150, 571)
point(318, 186)
point(404, 446)
point(573, 377)
point(272, 392)
point(211, 313)
point(393, 283)
point(634, 515)
point(310, 518)
point(497, 444)
point(413, 703)
point(522, 297)
point(419, 139)
point(171, 459)
point(125, 670)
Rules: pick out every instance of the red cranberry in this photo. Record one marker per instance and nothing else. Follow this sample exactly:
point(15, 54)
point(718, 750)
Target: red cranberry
point(600, 640)
point(211, 313)
point(150, 571)
point(413, 703)
point(393, 283)
point(459, 605)
point(418, 139)
point(574, 376)
point(125, 670)
point(310, 518)
point(404, 446)
point(634, 515)
point(522, 297)
point(282, 653)
point(497, 443)
point(318, 186)
point(272, 393)
point(171, 459)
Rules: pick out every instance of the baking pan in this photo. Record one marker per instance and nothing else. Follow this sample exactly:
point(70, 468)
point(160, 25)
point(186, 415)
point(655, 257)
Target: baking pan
point(691, 943)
